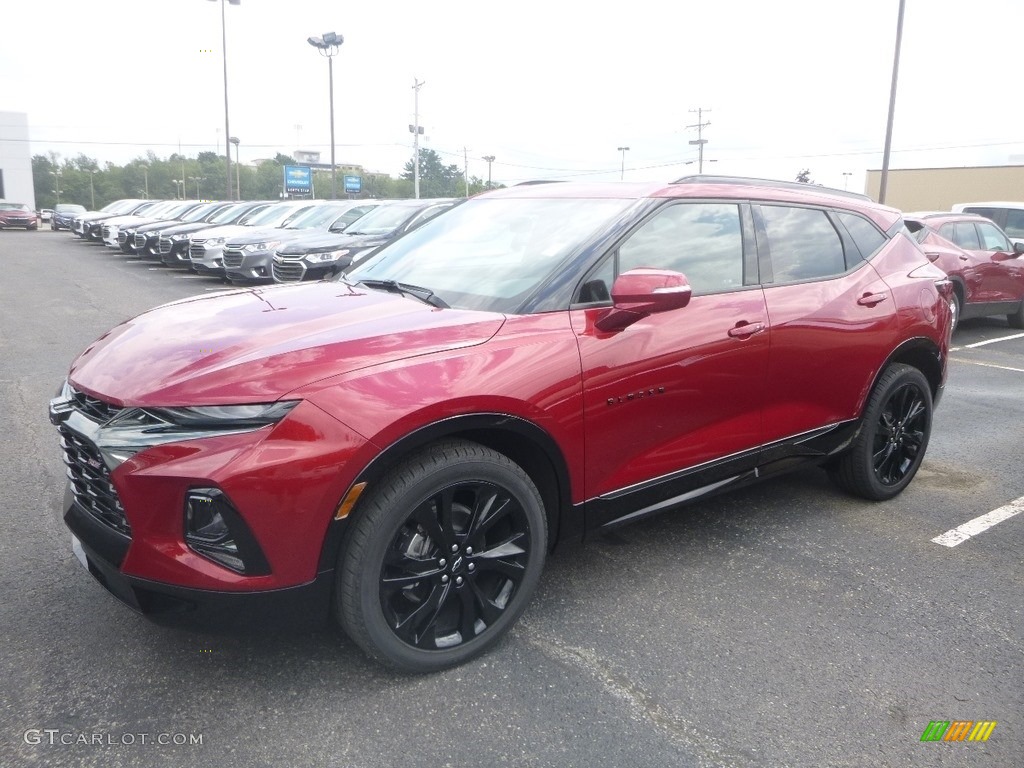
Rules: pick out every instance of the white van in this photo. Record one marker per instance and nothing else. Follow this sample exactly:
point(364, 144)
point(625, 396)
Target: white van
point(1009, 216)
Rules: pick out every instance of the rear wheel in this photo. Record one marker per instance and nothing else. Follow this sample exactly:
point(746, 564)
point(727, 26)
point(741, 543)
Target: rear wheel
point(1016, 320)
point(443, 557)
point(955, 307)
point(893, 437)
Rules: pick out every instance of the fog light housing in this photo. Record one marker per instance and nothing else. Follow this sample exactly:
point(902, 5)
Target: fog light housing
point(215, 530)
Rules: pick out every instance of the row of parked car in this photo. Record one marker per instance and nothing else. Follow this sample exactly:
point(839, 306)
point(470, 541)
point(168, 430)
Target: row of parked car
point(252, 241)
point(290, 241)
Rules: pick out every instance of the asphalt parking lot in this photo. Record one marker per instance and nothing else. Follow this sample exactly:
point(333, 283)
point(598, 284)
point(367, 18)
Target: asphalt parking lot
point(786, 624)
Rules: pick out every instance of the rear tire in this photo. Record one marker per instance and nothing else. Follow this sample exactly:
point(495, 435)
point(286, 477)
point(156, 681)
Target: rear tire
point(1016, 320)
point(893, 436)
point(443, 557)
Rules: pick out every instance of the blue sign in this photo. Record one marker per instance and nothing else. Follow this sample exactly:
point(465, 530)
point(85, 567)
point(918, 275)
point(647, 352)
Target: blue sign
point(298, 179)
point(353, 184)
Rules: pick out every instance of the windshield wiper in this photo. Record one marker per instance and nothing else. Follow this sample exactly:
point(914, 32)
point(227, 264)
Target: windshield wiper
point(423, 294)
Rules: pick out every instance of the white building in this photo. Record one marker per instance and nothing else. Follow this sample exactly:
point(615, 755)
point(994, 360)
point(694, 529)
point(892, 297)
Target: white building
point(15, 160)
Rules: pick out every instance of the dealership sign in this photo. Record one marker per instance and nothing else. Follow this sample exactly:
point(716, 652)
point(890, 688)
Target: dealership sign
point(353, 184)
point(298, 179)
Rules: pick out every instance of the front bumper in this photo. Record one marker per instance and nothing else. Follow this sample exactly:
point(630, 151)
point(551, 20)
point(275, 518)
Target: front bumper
point(104, 551)
point(248, 266)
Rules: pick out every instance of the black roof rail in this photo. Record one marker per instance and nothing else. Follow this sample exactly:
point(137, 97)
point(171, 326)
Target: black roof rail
point(752, 182)
point(538, 181)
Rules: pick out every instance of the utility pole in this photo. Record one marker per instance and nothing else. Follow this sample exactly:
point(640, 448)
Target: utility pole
point(416, 131)
point(465, 168)
point(622, 172)
point(884, 181)
point(700, 141)
point(489, 159)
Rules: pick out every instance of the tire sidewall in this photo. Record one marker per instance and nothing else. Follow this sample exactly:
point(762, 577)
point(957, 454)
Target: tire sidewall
point(902, 376)
point(384, 519)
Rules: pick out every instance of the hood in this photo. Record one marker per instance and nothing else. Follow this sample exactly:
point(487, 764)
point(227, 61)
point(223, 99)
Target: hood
point(187, 227)
point(312, 242)
point(224, 230)
point(265, 234)
point(257, 345)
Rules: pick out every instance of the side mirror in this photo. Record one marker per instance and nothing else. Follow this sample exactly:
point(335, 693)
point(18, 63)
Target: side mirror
point(1018, 247)
point(337, 227)
point(642, 292)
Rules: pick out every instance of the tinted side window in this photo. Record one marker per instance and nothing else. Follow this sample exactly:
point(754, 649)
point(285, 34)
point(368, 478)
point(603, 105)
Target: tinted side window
point(988, 213)
point(965, 235)
point(803, 244)
point(864, 233)
point(701, 240)
point(1014, 223)
point(992, 238)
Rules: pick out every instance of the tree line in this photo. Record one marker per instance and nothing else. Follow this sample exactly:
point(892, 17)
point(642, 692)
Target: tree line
point(84, 181)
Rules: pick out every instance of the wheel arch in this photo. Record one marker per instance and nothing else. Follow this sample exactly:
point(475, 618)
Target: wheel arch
point(522, 441)
point(921, 353)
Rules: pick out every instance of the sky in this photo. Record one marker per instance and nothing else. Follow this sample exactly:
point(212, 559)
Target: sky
point(551, 89)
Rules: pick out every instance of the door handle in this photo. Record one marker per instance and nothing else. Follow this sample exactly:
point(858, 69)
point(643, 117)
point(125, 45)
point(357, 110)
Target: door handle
point(743, 330)
point(871, 299)
point(964, 258)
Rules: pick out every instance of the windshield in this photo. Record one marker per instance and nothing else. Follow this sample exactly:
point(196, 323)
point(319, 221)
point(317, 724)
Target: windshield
point(384, 219)
point(491, 253)
point(231, 214)
point(200, 211)
point(275, 215)
point(318, 217)
point(13, 207)
point(69, 208)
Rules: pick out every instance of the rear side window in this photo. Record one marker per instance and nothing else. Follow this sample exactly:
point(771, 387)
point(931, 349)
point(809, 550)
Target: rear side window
point(803, 244)
point(864, 233)
point(1014, 223)
point(988, 213)
point(962, 233)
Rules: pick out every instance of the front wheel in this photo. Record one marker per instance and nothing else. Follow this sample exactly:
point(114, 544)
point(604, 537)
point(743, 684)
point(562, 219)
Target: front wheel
point(891, 443)
point(443, 557)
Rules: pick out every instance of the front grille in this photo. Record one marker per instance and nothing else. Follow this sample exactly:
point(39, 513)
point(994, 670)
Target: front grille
point(105, 231)
point(94, 408)
point(90, 481)
point(197, 250)
point(140, 240)
point(233, 258)
point(165, 245)
point(289, 271)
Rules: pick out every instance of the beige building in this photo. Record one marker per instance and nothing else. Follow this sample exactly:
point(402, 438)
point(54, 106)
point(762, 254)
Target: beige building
point(937, 189)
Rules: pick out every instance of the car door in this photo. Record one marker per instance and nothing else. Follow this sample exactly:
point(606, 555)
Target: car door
point(672, 403)
point(980, 273)
point(1005, 268)
point(833, 320)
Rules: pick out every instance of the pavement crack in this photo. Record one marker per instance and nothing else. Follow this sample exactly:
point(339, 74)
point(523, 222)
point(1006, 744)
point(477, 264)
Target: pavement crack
point(705, 748)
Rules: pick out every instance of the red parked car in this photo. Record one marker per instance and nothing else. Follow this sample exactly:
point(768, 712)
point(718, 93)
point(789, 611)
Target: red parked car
point(406, 443)
point(981, 261)
point(17, 215)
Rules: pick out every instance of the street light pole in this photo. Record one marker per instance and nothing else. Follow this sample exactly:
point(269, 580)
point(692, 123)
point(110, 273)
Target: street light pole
point(846, 179)
point(489, 159)
point(56, 174)
point(622, 172)
point(227, 129)
point(92, 189)
point(328, 46)
point(416, 131)
point(238, 177)
point(884, 180)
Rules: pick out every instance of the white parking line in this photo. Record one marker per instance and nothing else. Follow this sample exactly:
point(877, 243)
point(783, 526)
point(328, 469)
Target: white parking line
point(973, 527)
point(985, 365)
point(994, 341)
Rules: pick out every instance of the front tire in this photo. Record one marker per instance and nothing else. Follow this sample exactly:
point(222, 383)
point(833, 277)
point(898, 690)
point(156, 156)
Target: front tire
point(893, 437)
point(442, 559)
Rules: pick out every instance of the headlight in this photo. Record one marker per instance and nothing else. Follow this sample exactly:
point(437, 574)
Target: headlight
point(178, 238)
point(320, 258)
point(261, 246)
point(221, 416)
point(216, 241)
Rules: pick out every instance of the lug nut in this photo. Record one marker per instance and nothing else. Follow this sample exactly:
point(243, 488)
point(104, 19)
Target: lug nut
point(458, 581)
point(444, 579)
point(442, 563)
point(469, 550)
point(471, 567)
point(455, 547)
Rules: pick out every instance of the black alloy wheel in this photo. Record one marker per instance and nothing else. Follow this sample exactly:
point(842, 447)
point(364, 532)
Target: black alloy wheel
point(893, 437)
point(443, 557)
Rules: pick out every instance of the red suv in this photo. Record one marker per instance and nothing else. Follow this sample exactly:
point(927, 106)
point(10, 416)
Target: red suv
point(406, 443)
